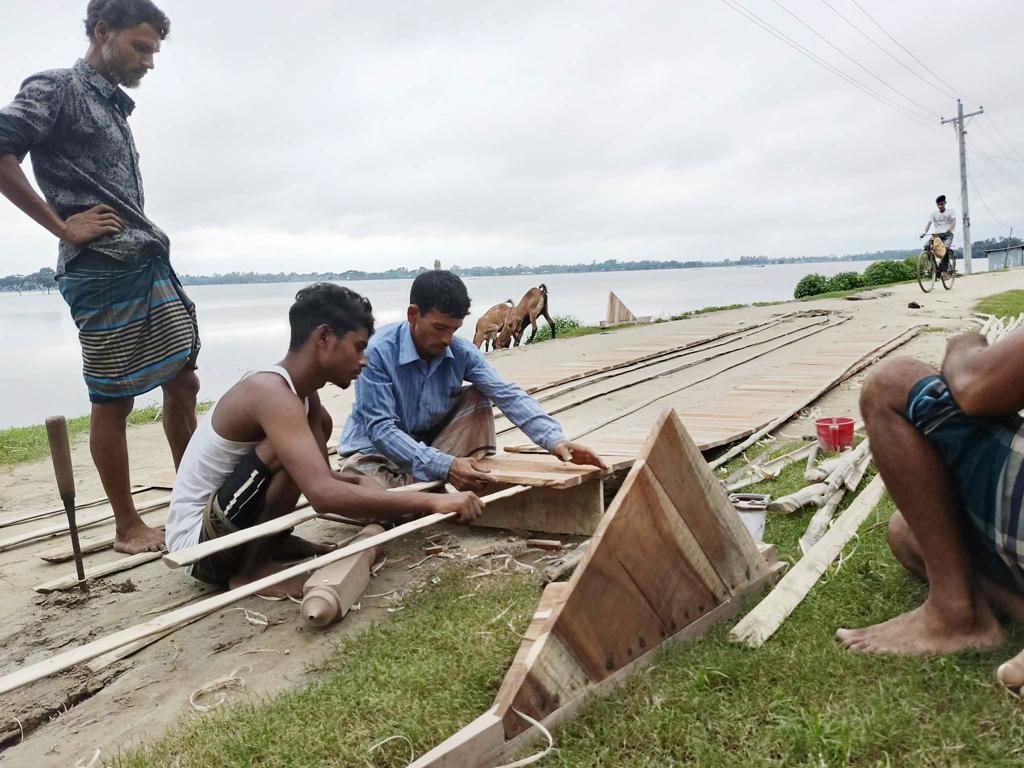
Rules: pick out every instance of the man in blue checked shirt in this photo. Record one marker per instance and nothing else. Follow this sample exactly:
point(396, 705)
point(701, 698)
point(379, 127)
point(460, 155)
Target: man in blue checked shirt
point(414, 420)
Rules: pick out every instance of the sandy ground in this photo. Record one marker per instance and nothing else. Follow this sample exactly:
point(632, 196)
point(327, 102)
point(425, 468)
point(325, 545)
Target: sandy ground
point(62, 720)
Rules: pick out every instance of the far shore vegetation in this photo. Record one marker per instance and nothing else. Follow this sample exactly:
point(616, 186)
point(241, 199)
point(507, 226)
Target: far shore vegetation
point(42, 280)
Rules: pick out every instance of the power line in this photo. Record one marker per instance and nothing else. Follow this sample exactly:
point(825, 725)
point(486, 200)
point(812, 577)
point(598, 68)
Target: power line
point(871, 40)
point(991, 157)
point(1002, 173)
point(984, 205)
point(952, 91)
point(1009, 146)
point(752, 17)
point(981, 173)
point(850, 58)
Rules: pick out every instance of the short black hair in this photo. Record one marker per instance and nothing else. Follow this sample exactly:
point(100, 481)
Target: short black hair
point(340, 309)
point(940, 199)
point(441, 290)
point(125, 14)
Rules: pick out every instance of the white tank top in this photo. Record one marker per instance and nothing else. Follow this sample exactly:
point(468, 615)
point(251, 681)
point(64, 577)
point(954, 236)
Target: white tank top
point(208, 461)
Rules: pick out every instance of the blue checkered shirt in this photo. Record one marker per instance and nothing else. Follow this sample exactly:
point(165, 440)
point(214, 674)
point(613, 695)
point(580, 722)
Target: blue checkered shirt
point(400, 398)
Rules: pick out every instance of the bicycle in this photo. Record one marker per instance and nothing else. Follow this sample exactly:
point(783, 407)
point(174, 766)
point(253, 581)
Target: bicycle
point(928, 266)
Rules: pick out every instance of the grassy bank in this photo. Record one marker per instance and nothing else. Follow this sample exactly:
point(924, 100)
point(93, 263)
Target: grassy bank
point(798, 701)
point(22, 444)
point(568, 326)
point(1005, 304)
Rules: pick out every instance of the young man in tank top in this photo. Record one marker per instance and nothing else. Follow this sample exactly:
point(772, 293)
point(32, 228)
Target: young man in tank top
point(265, 443)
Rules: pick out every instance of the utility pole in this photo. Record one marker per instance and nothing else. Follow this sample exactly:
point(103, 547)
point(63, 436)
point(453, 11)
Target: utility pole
point(958, 121)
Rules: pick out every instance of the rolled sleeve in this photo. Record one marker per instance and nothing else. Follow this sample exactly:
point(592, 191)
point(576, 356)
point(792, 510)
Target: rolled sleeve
point(28, 119)
point(376, 401)
point(521, 409)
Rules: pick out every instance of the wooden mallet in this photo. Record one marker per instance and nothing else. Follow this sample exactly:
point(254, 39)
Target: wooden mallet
point(60, 452)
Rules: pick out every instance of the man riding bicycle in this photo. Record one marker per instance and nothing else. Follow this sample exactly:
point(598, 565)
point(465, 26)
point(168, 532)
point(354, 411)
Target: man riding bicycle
point(942, 223)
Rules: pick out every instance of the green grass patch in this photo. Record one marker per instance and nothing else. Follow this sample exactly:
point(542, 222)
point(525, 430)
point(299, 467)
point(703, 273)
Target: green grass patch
point(23, 444)
point(567, 327)
point(800, 700)
point(1005, 304)
point(424, 674)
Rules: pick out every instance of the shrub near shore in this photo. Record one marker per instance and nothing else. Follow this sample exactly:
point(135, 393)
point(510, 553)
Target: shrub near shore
point(883, 272)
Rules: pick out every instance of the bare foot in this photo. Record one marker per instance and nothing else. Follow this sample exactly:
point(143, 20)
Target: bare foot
point(293, 547)
point(925, 631)
point(1011, 674)
point(289, 588)
point(138, 538)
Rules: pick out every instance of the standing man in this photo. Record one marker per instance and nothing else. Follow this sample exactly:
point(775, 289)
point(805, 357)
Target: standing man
point(942, 223)
point(414, 420)
point(136, 325)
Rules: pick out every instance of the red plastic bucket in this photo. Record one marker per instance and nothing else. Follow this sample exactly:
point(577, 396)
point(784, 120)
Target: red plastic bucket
point(834, 433)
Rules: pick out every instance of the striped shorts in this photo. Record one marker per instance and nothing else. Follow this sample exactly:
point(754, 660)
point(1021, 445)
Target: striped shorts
point(136, 325)
point(986, 458)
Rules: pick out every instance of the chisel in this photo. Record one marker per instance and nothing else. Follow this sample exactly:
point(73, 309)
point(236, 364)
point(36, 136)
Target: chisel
point(60, 452)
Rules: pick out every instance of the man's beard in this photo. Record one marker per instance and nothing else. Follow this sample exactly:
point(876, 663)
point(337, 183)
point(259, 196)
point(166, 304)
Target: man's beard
point(116, 66)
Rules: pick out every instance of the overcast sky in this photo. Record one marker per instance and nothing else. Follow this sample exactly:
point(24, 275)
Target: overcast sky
point(320, 135)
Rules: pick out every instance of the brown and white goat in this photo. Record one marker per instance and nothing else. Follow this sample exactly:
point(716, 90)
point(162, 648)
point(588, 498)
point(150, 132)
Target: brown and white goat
point(534, 304)
point(490, 324)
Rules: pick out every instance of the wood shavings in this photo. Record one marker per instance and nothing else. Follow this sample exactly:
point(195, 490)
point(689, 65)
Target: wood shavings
point(232, 682)
point(376, 568)
point(416, 565)
point(496, 618)
point(400, 737)
point(92, 762)
point(512, 629)
point(285, 652)
point(380, 594)
point(540, 755)
point(256, 618)
point(21, 728)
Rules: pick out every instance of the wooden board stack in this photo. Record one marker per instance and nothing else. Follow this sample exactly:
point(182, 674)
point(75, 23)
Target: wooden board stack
point(670, 558)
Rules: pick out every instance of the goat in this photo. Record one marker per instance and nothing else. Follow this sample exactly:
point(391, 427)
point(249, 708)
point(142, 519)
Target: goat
point(490, 324)
point(534, 304)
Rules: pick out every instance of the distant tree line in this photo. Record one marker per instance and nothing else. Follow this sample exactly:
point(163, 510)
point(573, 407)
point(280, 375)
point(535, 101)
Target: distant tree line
point(43, 279)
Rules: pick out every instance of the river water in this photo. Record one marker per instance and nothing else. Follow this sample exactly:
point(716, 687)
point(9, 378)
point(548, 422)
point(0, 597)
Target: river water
point(246, 326)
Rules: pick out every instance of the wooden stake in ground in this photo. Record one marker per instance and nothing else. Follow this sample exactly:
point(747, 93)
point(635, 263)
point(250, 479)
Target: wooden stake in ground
point(83, 653)
point(762, 622)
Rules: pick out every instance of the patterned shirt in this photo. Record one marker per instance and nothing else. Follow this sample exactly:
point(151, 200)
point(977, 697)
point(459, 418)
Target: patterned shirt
point(400, 398)
point(75, 124)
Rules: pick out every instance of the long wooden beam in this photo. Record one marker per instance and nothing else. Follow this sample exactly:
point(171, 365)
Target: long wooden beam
point(302, 513)
point(632, 366)
point(33, 516)
point(84, 653)
point(762, 622)
point(661, 374)
point(662, 395)
point(896, 341)
point(646, 358)
point(105, 569)
point(86, 521)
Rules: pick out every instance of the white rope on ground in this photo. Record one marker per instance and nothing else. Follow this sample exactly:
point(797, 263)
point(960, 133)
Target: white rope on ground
point(382, 742)
point(20, 728)
point(540, 755)
point(92, 762)
point(231, 682)
point(253, 617)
